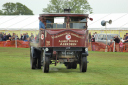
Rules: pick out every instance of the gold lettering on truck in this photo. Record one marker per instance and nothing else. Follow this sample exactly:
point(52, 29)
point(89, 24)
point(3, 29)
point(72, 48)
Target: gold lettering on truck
point(65, 44)
point(68, 42)
point(73, 40)
point(56, 36)
point(76, 35)
point(63, 40)
point(82, 37)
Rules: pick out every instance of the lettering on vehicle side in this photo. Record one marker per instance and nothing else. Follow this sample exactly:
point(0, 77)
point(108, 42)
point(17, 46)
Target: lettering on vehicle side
point(76, 35)
point(82, 37)
point(71, 44)
point(68, 42)
point(59, 35)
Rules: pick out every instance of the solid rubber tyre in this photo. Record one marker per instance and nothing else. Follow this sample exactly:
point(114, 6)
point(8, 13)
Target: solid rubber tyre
point(83, 64)
point(32, 60)
point(46, 65)
point(74, 65)
point(38, 54)
point(69, 66)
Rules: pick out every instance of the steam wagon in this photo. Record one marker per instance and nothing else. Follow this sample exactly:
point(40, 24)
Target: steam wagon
point(64, 40)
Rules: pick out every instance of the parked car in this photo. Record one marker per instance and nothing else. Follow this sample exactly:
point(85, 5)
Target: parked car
point(101, 37)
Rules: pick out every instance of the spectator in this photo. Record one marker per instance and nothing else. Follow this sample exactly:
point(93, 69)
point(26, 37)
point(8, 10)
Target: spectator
point(121, 46)
point(32, 39)
point(110, 46)
point(24, 36)
point(31, 35)
point(126, 38)
point(89, 37)
point(8, 36)
point(93, 38)
point(35, 36)
point(116, 39)
point(28, 39)
point(111, 42)
point(27, 36)
point(17, 37)
point(93, 45)
point(95, 35)
point(1, 36)
point(4, 37)
point(0, 39)
point(21, 37)
point(13, 36)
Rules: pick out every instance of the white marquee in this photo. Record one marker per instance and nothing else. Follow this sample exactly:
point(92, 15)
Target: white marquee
point(31, 22)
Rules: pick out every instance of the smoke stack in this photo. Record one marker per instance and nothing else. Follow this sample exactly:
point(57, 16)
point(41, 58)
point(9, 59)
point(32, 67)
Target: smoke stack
point(67, 10)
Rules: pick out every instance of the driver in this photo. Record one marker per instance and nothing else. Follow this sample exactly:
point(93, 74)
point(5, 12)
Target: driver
point(42, 23)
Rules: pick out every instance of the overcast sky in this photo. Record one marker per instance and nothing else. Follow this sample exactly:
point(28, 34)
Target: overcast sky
point(99, 6)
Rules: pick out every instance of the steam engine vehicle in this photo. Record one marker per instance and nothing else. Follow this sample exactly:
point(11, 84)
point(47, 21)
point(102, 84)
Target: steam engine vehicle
point(64, 40)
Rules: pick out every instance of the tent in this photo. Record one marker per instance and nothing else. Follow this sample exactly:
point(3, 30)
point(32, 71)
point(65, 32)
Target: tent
point(31, 22)
point(119, 21)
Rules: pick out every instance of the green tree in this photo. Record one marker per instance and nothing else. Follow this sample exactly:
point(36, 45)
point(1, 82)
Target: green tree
point(16, 9)
point(1, 12)
point(76, 6)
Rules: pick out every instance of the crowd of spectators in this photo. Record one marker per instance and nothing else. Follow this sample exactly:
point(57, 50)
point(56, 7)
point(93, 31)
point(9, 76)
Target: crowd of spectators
point(118, 41)
point(14, 36)
point(116, 38)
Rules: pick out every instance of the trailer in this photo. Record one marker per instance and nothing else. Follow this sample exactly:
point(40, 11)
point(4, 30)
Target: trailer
point(65, 40)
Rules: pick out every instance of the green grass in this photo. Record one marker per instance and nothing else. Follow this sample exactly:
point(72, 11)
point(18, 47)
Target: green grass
point(103, 69)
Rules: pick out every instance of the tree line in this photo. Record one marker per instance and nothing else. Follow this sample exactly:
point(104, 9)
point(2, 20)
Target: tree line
point(76, 6)
point(15, 9)
point(54, 6)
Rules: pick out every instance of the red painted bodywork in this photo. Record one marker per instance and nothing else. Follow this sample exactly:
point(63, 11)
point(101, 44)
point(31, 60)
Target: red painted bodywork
point(57, 38)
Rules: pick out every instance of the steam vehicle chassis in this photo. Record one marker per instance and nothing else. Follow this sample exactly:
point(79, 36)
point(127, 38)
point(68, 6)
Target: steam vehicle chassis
point(65, 40)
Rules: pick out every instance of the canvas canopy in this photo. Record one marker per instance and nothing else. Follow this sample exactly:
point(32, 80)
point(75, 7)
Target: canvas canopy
point(31, 22)
point(119, 21)
point(19, 22)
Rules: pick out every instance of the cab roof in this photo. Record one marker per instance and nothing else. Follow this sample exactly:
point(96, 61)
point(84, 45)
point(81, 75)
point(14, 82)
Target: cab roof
point(64, 15)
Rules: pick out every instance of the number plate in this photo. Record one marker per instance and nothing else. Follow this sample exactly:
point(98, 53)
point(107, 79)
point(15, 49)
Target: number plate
point(67, 53)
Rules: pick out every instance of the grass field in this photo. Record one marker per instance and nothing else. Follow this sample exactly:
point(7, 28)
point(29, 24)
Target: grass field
point(103, 69)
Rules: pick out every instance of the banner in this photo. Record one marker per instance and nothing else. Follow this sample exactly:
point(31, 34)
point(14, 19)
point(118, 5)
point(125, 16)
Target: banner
point(20, 44)
point(93, 46)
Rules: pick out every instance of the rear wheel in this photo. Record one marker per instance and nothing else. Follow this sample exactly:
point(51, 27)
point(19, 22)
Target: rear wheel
point(69, 66)
point(38, 55)
point(83, 64)
point(46, 65)
point(32, 60)
point(74, 65)
point(33, 63)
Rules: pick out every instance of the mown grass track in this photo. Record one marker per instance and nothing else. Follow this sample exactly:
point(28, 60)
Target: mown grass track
point(103, 69)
